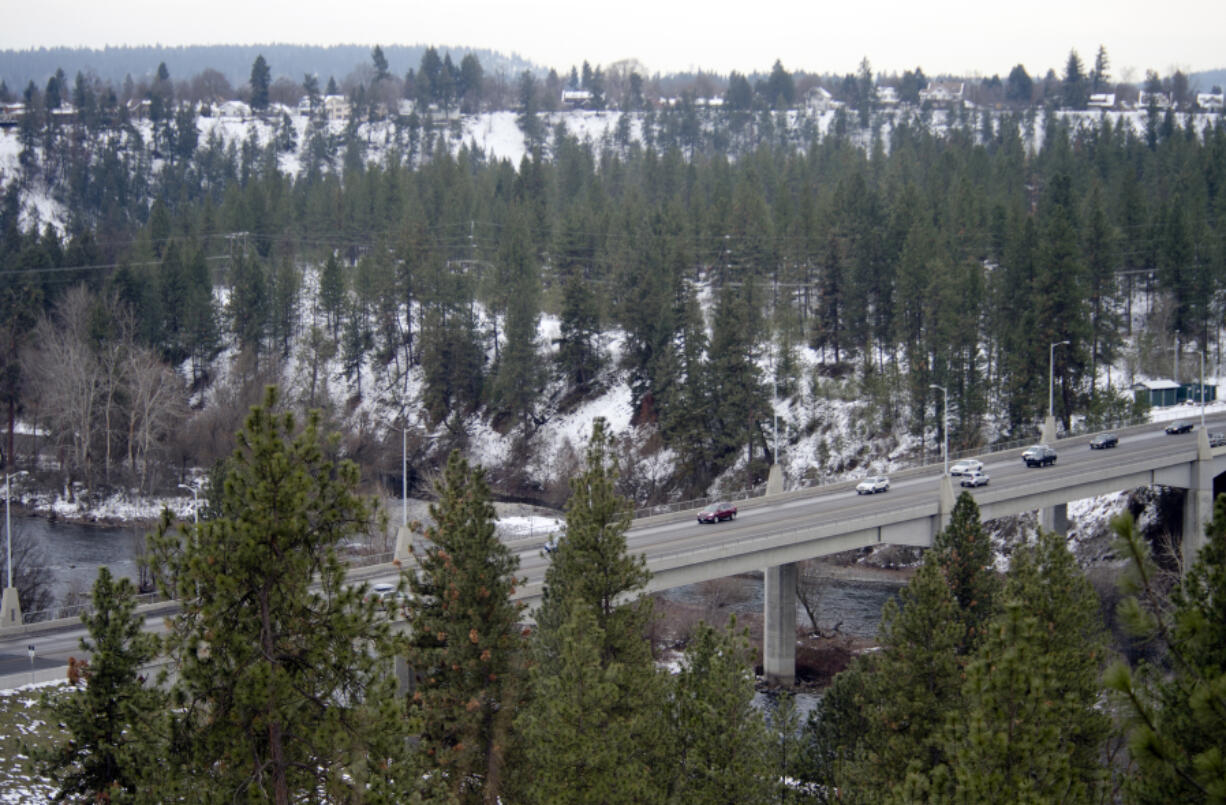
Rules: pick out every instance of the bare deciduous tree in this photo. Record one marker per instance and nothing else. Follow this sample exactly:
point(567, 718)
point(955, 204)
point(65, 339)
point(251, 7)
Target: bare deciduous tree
point(155, 406)
point(811, 583)
point(64, 377)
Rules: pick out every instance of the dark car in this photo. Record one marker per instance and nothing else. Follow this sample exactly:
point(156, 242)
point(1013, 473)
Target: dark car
point(1104, 440)
point(1217, 439)
point(1040, 455)
point(1180, 426)
point(719, 511)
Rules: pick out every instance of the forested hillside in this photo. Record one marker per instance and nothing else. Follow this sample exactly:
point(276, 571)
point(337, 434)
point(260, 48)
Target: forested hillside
point(745, 263)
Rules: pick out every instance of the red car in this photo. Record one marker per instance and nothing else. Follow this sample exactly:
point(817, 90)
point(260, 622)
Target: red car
point(719, 511)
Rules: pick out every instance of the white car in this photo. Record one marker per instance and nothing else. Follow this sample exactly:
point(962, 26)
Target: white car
point(976, 478)
point(965, 467)
point(873, 484)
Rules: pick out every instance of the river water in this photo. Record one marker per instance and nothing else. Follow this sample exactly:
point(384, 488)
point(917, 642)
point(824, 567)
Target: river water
point(73, 552)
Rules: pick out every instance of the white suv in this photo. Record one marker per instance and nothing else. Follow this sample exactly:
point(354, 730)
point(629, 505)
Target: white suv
point(873, 484)
point(965, 467)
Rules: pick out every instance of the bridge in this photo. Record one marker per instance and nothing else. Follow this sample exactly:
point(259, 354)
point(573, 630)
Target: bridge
point(773, 533)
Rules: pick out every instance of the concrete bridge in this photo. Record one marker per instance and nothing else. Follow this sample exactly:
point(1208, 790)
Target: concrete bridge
point(773, 533)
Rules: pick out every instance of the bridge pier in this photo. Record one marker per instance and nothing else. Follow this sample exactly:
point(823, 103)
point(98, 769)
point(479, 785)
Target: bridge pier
point(10, 609)
point(774, 481)
point(779, 624)
point(1198, 504)
point(1055, 518)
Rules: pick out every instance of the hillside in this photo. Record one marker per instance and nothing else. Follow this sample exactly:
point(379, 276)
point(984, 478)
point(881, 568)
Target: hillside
point(493, 282)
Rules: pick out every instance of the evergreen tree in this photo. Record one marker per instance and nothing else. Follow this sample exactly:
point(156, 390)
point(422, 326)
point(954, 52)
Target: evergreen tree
point(580, 357)
point(1075, 91)
point(282, 689)
point(579, 743)
point(964, 553)
point(591, 565)
point(111, 714)
point(719, 742)
point(332, 293)
point(906, 692)
point(1033, 728)
point(517, 377)
point(261, 79)
point(592, 588)
point(467, 644)
point(379, 62)
point(1176, 707)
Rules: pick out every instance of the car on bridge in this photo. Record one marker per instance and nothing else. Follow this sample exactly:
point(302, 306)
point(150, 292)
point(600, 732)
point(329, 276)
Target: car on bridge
point(720, 511)
point(1217, 439)
point(1040, 455)
point(1180, 426)
point(1103, 441)
point(873, 484)
point(976, 478)
point(965, 467)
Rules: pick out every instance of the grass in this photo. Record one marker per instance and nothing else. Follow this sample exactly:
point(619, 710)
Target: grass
point(23, 723)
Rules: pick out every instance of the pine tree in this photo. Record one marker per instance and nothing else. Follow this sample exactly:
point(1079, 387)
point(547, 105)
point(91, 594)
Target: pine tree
point(906, 692)
point(260, 81)
point(1032, 728)
point(282, 689)
point(517, 378)
point(592, 586)
point(111, 714)
point(719, 741)
point(332, 293)
point(591, 566)
point(580, 742)
point(1177, 707)
point(467, 646)
point(964, 552)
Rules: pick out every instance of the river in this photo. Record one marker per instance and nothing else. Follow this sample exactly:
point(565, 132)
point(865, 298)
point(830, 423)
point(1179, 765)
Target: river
point(73, 552)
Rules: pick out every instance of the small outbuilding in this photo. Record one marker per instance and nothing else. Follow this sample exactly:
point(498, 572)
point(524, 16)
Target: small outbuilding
point(1162, 393)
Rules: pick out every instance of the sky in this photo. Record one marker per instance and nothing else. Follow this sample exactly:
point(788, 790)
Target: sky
point(940, 36)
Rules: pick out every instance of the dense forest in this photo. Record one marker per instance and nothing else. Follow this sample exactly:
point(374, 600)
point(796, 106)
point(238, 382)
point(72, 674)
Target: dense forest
point(736, 254)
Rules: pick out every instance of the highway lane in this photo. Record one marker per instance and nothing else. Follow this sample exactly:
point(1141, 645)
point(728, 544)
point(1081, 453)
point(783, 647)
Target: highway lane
point(671, 534)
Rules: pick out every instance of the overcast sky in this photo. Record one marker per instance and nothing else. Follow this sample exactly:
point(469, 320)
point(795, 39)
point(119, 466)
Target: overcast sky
point(940, 36)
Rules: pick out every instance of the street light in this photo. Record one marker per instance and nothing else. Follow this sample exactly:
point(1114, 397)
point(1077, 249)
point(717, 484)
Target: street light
point(1051, 377)
point(945, 450)
point(1202, 389)
point(404, 477)
point(195, 503)
point(8, 531)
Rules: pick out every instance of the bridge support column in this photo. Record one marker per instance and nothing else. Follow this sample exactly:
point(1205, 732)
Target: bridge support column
point(1055, 518)
point(945, 503)
point(774, 481)
point(10, 609)
point(404, 543)
point(404, 676)
point(1049, 430)
point(779, 625)
point(1198, 505)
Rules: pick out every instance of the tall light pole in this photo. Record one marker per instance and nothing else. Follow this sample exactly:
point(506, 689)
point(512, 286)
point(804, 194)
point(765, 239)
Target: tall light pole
point(945, 420)
point(1051, 379)
point(8, 531)
point(404, 477)
point(195, 503)
point(1202, 389)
